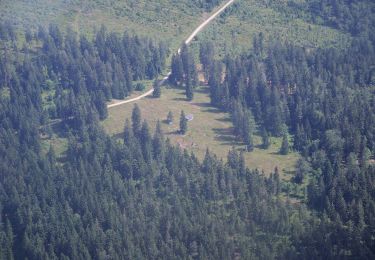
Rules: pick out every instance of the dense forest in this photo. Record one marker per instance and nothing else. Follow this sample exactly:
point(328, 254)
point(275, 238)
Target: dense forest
point(76, 72)
point(325, 98)
point(139, 197)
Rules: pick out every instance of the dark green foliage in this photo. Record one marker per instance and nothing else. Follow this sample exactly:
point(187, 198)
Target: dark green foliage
point(136, 119)
point(325, 98)
point(146, 199)
point(207, 4)
point(265, 139)
point(206, 56)
point(157, 89)
point(83, 74)
point(170, 117)
point(189, 90)
point(183, 123)
point(284, 149)
point(302, 170)
point(139, 87)
point(244, 124)
point(184, 71)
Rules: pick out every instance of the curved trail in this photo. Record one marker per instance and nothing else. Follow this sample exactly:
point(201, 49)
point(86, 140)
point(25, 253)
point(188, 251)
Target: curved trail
point(187, 41)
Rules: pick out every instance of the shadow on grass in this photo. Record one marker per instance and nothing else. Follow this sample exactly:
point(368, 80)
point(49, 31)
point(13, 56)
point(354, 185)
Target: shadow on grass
point(166, 122)
point(180, 99)
point(201, 104)
point(225, 136)
point(224, 119)
point(175, 132)
point(213, 110)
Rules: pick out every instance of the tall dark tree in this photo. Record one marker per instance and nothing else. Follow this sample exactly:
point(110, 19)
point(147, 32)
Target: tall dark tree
point(170, 117)
point(183, 123)
point(136, 119)
point(157, 89)
point(284, 149)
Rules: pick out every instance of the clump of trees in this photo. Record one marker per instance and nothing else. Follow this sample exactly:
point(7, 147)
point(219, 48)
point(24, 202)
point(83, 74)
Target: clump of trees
point(184, 73)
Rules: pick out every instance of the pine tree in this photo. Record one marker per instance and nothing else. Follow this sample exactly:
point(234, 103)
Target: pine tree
point(189, 90)
point(136, 119)
point(177, 70)
point(157, 90)
point(183, 123)
point(158, 141)
point(128, 133)
point(170, 117)
point(265, 139)
point(284, 150)
point(248, 130)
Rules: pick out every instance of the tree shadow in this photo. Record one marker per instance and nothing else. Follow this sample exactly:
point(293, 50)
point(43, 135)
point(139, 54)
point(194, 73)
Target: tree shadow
point(225, 136)
point(180, 99)
point(166, 122)
point(174, 132)
point(224, 119)
point(202, 104)
point(212, 110)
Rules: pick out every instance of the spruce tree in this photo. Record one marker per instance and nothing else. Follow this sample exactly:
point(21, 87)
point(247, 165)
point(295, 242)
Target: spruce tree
point(136, 119)
point(157, 90)
point(265, 139)
point(183, 123)
point(248, 129)
point(284, 150)
point(189, 90)
point(170, 117)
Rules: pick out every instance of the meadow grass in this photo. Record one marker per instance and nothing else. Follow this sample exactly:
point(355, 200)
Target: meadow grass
point(210, 129)
point(234, 30)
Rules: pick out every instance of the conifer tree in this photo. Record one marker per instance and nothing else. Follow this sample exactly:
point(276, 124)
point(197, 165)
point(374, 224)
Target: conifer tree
point(183, 123)
point(265, 139)
point(189, 90)
point(284, 150)
point(157, 90)
point(170, 117)
point(136, 119)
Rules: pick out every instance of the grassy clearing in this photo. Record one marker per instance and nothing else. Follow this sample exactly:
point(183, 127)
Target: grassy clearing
point(251, 17)
point(211, 128)
point(167, 20)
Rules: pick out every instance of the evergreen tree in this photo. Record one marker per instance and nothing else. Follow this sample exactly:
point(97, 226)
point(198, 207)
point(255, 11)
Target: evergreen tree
point(157, 89)
point(189, 90)
point(183, 123)
point(248, 130)
point(265, 139)
point(170, 117)
point(136, 119)
point(284, 150)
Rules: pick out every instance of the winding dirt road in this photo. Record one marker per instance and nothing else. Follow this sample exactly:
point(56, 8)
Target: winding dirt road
point(188, 40)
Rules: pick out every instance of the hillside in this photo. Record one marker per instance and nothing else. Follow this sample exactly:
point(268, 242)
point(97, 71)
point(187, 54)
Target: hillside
point(283, 20)
point(161, 19)
point(258, 142)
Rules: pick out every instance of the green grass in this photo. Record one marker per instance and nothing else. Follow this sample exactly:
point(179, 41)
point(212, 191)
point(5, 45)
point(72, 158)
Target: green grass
point(168, 20)
point(233, 32)
point(211, 128)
